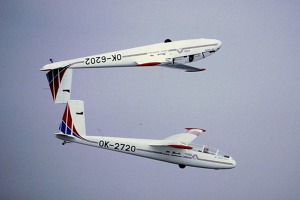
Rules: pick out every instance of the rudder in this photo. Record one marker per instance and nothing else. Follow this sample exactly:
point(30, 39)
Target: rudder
point(60, 82)
point(73, 120)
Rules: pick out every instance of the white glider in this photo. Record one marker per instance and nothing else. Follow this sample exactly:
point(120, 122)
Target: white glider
point(176, 149)
point(168, 54)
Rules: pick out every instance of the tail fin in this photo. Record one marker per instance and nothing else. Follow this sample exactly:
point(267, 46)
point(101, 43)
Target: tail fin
point(73, 120)
point(60, 81)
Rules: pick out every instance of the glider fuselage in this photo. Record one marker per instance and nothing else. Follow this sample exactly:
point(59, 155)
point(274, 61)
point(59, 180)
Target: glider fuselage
point(160, 54)
point(201, 156)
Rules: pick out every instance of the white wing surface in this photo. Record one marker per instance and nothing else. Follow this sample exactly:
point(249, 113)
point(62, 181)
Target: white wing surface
point(181, 140)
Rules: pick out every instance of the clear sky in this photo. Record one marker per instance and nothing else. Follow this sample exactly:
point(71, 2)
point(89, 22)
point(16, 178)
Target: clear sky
point(248, 100)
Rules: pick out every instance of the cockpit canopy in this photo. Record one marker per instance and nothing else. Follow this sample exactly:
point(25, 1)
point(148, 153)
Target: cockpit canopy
point(208, 150)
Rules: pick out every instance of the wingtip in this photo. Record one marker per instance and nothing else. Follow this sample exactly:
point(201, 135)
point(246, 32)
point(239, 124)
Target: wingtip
point(148, 64)
point(198, 70)
point(200, 130)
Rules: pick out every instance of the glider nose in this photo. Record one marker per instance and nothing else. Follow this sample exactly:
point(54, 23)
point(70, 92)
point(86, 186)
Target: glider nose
point(233, 163)
point(216, 45)
point(219, 44)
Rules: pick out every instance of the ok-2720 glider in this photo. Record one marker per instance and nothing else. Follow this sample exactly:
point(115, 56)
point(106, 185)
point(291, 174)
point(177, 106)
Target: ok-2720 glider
point(175, 149)
point(168, 54)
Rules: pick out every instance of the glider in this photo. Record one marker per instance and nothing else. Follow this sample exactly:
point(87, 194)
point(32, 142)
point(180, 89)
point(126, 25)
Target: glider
point(171, 54)
point(177, 149)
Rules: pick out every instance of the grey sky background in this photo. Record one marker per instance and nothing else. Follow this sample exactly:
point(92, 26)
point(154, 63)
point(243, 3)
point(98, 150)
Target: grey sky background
point(248, 99)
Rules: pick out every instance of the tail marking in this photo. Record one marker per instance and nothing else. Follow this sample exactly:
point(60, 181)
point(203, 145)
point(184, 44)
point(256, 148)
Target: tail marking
point(60, 80)
point(67, 126)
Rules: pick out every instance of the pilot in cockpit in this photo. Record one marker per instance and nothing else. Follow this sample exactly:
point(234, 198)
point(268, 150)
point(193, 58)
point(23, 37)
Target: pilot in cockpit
point(206, 150)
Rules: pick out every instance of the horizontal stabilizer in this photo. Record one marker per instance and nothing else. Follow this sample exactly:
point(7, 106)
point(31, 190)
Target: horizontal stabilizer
point(60, 81)
point(64, 137)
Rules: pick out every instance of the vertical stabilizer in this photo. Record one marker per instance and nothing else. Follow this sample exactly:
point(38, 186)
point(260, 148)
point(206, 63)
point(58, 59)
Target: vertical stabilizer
point(60, 81)
point(73, 120)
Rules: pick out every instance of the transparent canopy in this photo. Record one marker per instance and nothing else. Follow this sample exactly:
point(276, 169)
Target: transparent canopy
point(208, 150)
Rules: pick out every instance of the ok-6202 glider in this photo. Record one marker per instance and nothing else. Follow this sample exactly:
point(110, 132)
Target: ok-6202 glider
point(168, 54)
point(175, 149)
